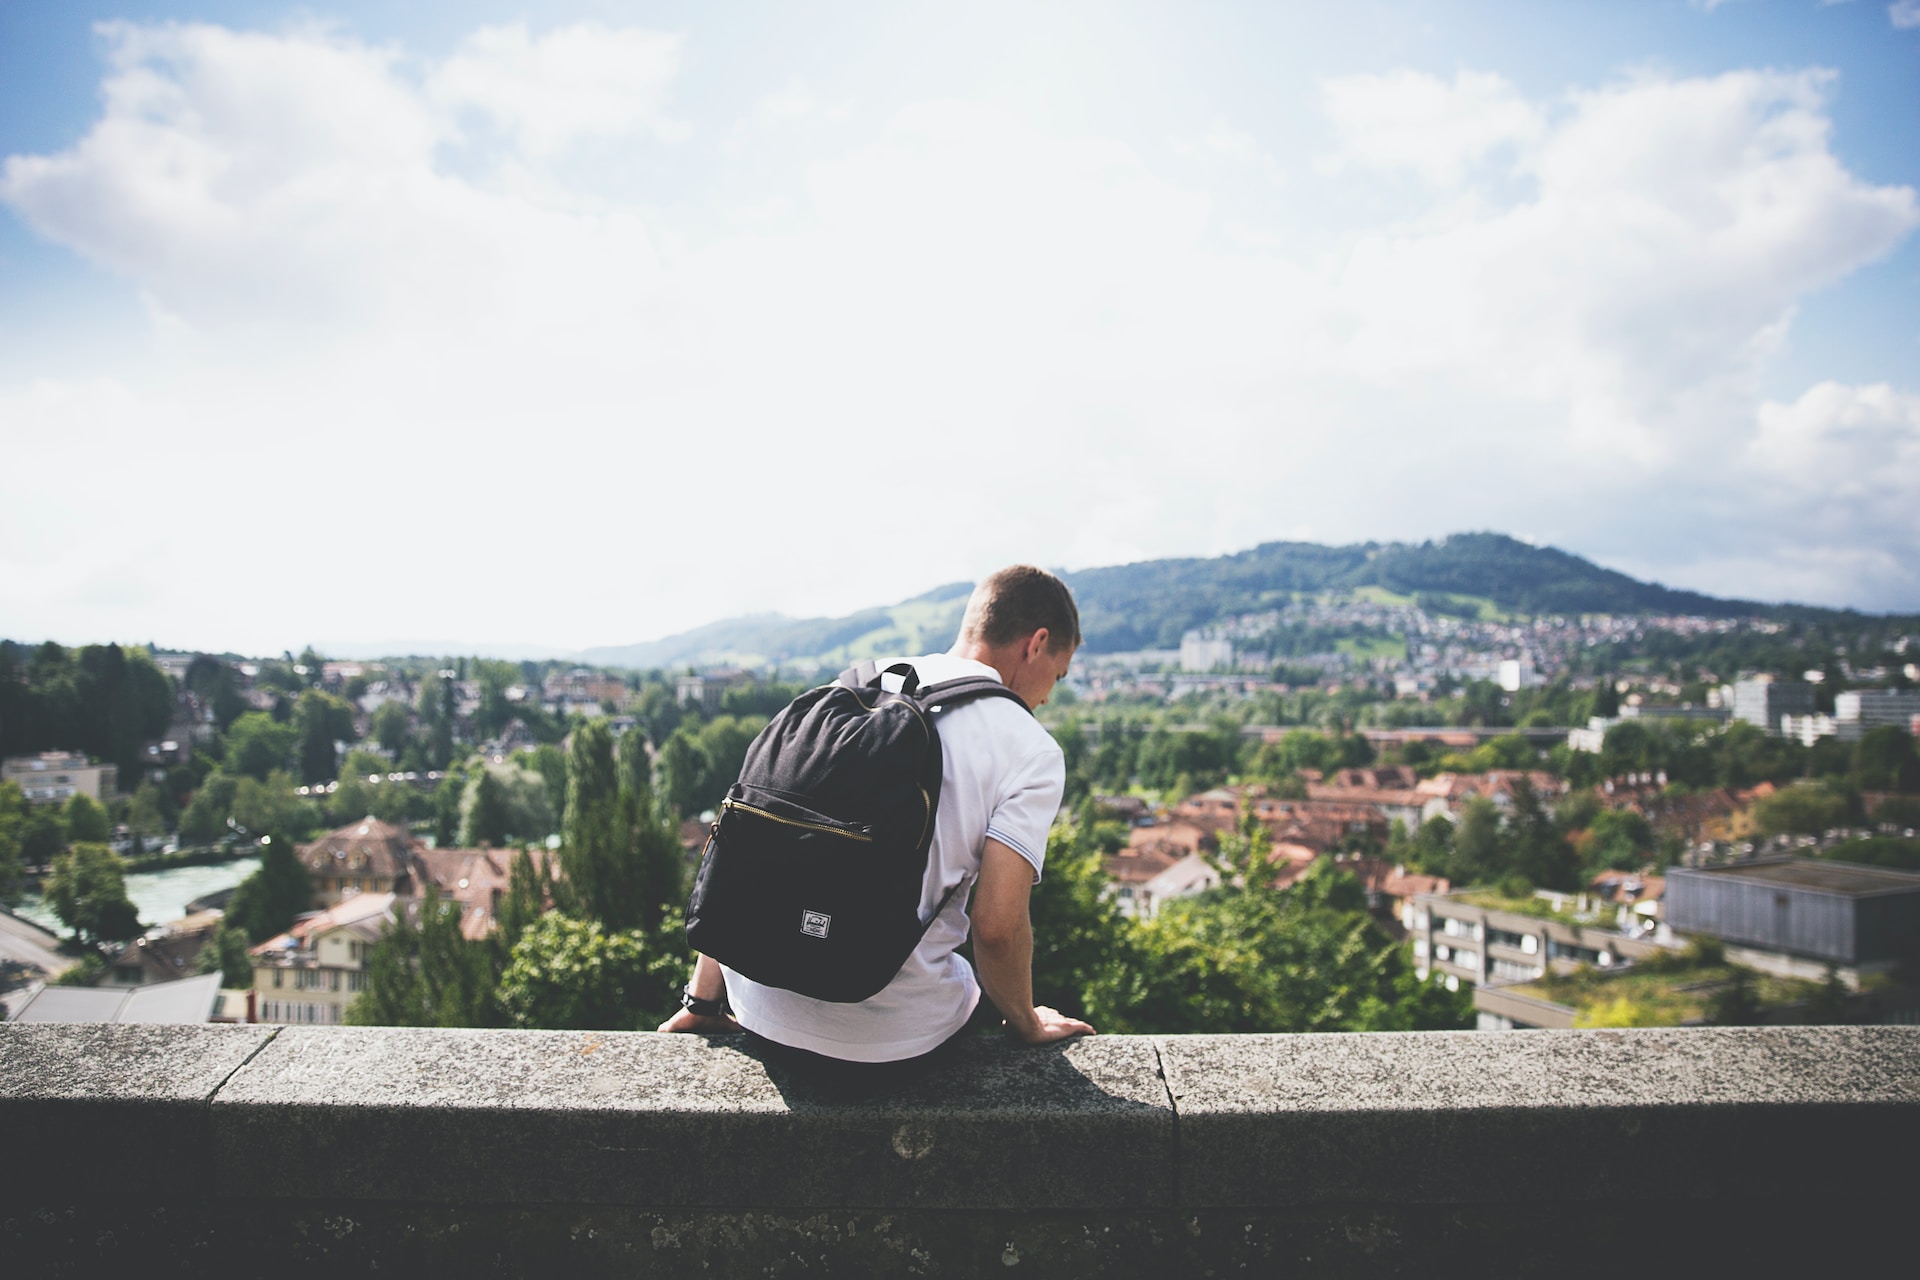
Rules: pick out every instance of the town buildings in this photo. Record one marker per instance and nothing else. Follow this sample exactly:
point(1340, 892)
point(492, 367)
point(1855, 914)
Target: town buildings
point(55, 777)
point(312, 972)
point(1764, 701)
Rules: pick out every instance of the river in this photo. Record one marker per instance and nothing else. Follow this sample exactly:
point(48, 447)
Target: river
point(159, 896)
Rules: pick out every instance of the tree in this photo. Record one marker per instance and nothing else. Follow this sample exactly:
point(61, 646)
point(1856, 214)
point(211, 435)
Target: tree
point(577, 975)
point(425, 972)
point(391, 726)
point(659, 868)
point(13, 820)
point(1884, 760)
point(319, 721)
point(267, 901)
point(1618, 839)
point(257, 745)
point(149, 815)
point(1079, 935)
point(487, 820)
point(1476, 843)
point(87, 888)
point(1258, 959)
point(526, 900)
point(682, 773)
point(86, 820)
point(227, 956)
point(618, 853)
point(1803, 809)
point(446, 808)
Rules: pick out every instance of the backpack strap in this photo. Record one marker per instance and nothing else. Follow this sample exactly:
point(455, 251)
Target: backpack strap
point(951, 693)
point(866, 675)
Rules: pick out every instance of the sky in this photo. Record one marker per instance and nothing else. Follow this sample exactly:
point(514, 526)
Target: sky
point(479, 326)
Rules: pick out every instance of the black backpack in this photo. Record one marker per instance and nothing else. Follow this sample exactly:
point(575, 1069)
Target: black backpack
point(812, 876)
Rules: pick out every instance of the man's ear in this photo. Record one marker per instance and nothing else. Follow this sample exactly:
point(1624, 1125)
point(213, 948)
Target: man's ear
point(1037, 643)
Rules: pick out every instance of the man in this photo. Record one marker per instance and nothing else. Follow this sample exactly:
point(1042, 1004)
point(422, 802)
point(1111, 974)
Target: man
point(1002, 777)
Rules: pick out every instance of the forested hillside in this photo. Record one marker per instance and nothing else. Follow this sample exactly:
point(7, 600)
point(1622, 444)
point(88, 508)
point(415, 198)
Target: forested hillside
point(1150, 604)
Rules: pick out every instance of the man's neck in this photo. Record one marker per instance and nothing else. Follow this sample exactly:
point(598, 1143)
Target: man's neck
point(977, 651)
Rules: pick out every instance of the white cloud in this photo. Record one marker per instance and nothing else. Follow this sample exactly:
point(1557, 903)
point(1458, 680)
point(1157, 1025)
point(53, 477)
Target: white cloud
point(1845, 443)
point(578, 82)
point(1673, 226)
point(1904, 14)
point(1410, 120)
point(521, 408)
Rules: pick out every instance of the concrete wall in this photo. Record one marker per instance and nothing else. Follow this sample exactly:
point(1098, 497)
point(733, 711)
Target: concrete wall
point(249, 1150)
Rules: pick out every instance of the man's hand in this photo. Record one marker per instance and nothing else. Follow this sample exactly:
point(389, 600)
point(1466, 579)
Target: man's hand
point(1048, 1025)
point(1003, 948)
point(708, 983)
point(688, 1020)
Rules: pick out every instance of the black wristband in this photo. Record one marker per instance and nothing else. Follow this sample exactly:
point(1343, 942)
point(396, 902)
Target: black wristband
point(699, 1008)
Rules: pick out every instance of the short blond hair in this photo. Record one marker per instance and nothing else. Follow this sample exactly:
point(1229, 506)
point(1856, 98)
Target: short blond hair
point(1016, 602)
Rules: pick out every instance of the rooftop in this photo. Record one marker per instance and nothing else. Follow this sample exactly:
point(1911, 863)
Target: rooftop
point(1825, 877)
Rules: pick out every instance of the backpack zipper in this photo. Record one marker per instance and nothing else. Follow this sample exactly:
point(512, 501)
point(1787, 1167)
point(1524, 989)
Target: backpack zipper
point(757, 812)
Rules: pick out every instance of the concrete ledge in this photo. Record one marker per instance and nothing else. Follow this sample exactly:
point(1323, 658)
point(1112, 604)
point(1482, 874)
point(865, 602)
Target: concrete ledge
point(1528, 1116)
point(636, 1118)
point(510, 1152)
point(74, 1098)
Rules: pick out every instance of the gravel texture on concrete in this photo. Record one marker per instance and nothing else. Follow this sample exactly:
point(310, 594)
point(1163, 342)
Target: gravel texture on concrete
point(1534, 1115)
point(636, 1118)
point(78, 1098)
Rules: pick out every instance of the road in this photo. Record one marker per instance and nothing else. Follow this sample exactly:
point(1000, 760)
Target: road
point(29, 944)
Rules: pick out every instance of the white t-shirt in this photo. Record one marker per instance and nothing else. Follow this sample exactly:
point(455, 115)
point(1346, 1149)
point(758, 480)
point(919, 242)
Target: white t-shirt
point(1001, 775)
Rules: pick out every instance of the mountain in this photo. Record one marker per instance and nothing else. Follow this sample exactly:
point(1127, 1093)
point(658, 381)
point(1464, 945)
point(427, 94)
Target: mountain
point(1150, 604)
point(920, 625)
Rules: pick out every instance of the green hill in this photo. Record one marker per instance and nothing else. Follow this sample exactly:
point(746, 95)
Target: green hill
point(1149, 605)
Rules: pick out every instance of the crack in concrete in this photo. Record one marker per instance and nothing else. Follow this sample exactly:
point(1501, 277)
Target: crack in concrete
point(1173, 1109)
point(241, 1065)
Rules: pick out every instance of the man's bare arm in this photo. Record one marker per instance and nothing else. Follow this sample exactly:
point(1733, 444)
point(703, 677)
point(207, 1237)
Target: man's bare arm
point(709, 983)
point(1003, 948)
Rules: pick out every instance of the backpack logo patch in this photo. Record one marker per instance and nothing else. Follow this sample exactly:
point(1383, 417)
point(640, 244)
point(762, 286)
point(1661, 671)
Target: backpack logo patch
point(815, 923)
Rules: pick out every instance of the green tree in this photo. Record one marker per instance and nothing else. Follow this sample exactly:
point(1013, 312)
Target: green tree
point(1618, 839)
point(149, 815)
point(257, 745)
point(86, 820)
point(226, 954)
point(1803, 809)
point(425, 972)
point(575, 974)
point(269, 806)
point(319, 721)
point(682, 772)
point(526, 900)
point(619, 855)
point(487, 818)
point(1262, 960)
point(1080, 939)
point(653, 843)
point(1477, 856)
point(1884, 760)
point(43, 833)
point(87, 888)
point(447, 806)
point(392, 725)
point(13, 821)
point(267, 901)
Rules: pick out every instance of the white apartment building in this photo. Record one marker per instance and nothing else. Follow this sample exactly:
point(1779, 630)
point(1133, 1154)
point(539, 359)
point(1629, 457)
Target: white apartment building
point(312, 972)
point(55, 777)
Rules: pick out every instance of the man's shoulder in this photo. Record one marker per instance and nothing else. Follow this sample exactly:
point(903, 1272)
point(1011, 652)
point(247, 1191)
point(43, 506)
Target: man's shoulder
point(1015, 737)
